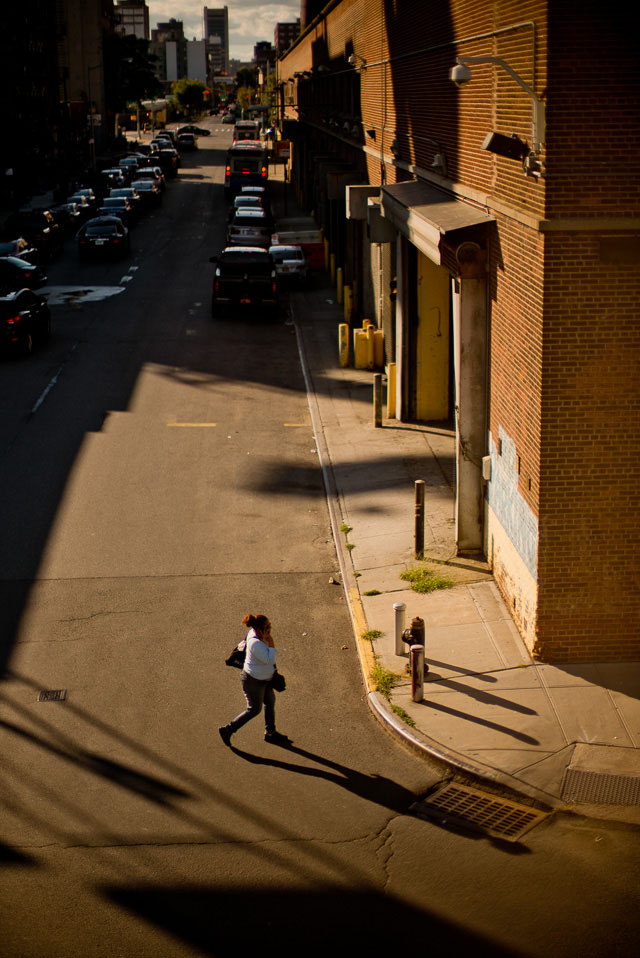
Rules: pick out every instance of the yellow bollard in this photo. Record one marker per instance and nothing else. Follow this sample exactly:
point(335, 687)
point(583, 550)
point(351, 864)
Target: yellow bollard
point(339, 285)
point(347, 304)
point(359, 349)
point(343, 344)
point(391, 391)
point(369, 338)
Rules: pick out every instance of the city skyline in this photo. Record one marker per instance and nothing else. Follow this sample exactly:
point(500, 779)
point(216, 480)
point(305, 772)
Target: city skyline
point(250, 21)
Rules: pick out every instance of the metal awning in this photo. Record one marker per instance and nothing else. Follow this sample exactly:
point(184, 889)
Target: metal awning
point(425, 214)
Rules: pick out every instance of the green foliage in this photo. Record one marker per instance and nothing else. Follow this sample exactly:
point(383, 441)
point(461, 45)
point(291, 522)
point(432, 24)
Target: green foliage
point(384, 680)
point(373, 592)
point(246, 78)
point(372, 634)
point(423, 579)
point(406, 718)
point(189, 94)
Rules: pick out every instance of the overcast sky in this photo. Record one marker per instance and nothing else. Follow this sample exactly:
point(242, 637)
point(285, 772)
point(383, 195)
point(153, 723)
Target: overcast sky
point(249, 20)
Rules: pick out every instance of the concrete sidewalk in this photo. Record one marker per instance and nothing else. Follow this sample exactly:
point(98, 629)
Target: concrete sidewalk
point(566, 736)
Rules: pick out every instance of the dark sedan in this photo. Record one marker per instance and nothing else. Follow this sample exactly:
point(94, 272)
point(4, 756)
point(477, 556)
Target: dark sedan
point(150, 194)
point(192, 128)
point(103, 235)
point(119, 206)
point(18, 274)
point(24, 321)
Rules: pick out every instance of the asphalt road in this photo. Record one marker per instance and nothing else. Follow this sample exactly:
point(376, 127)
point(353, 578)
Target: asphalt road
point(160, 479)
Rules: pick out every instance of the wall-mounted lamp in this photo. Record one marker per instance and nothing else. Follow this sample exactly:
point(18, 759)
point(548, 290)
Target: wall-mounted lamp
point(439, 164)
point(512, 147)
point(355, 60)
point(461, 74)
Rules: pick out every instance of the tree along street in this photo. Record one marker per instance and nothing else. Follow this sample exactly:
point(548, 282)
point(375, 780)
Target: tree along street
point(160, 480)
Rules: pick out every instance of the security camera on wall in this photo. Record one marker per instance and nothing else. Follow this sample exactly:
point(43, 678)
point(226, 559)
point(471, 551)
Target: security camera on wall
point(460, 74)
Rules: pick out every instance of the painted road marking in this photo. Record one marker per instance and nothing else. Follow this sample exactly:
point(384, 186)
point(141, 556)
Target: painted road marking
point(193, 425)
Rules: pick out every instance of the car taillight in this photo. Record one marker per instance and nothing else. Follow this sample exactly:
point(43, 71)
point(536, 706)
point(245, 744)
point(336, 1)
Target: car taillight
point(273, 287)
point(12, 320)
point(216, 286)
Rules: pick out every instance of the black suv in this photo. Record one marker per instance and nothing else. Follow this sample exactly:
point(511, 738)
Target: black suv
point(245, 281)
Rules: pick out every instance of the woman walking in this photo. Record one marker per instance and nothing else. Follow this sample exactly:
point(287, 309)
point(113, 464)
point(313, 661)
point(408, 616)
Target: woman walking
point(257, 672)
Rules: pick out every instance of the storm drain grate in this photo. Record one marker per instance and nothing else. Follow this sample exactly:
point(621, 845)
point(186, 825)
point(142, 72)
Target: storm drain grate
point(600, 788)
point(52, 695)
point(496, 816)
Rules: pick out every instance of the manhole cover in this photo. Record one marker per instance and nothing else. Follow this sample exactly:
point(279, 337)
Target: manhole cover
point(52, 695)
point(492, 814)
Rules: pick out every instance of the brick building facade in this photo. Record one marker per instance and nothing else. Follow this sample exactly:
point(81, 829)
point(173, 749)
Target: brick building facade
point(516, 316)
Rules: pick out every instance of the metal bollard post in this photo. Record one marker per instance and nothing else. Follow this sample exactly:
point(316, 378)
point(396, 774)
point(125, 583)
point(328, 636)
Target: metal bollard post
point(377, 400)
point(416, 653)
point(419, 518)
point(399, 609)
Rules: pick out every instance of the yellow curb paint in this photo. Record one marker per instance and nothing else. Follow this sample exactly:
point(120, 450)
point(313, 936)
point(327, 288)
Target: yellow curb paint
point(364, 645)
point(294, 425)
point(193, 425)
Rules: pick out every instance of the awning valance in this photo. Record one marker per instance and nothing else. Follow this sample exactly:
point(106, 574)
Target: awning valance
point(425, 214)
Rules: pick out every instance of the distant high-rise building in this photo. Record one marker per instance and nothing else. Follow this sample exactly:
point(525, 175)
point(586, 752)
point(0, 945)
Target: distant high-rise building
point(169, 46)
point(285, 34)
point(216, 34)
point(134, 18)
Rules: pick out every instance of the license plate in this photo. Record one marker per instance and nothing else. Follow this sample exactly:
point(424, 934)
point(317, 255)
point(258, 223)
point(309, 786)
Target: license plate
point(100, 242)
point(245, 300)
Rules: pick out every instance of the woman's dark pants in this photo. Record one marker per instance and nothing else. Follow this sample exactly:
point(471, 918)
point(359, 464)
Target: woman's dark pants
point(257, 694)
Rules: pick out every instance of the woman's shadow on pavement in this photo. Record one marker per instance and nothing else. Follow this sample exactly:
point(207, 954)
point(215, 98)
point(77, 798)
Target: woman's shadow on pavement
point(375, 788)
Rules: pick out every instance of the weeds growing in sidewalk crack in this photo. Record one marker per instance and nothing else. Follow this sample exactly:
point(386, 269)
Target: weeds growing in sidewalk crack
point(404, 716)
point(372, 634)
point(384, 680)
point(423, 579)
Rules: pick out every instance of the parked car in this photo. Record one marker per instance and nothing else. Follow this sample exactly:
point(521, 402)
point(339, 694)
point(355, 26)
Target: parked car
point(83, 205)
point(129, 166)
point(229, 118)
point(244, 201)
point(186, 141)
point(16, 273)
point(25, 320)
point(249, 228)
point(290, 263)
point(119, 206)
point(192, 128)
point(103, 235)
point(68, 216)
point(130, 193)
point(21, 248)
point(90, 195)
point(150, 194)
point(39, 228)
point(169, 160)
point(244, 281)
point(155, 174)
point(113, 177)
